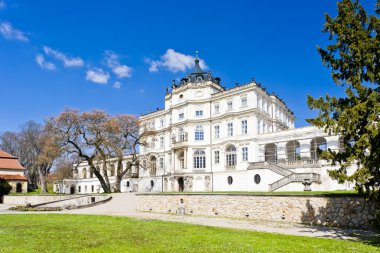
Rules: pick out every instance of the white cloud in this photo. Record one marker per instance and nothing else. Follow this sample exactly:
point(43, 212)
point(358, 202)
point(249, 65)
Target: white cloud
point(2, 4)
point(43, 63)
point(112, 61)
point(67, 61)
point(117, 85)
point(97, 75)
point(142, 90)
point(11, 33)
point(174, 62)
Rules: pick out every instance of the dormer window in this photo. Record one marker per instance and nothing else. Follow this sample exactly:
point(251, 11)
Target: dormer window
point(181, 96)
point(199, 113)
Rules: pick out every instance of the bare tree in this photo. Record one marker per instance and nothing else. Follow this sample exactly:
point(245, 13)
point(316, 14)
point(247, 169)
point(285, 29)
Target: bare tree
point(31, 146)
point(98, 139)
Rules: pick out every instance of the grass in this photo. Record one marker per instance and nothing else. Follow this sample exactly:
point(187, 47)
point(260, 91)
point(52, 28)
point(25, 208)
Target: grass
point(88, 233)
point(38, 191)
point(322, 193)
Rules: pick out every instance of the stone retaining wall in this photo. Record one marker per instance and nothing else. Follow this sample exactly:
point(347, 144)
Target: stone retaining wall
point(34, 199)
point(314, 209)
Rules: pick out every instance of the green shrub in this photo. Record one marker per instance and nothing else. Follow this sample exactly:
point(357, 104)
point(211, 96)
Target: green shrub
point(39, 209)
point(5, 188)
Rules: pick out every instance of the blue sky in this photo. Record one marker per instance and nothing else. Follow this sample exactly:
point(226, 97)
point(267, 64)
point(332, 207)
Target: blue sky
point(120, 55)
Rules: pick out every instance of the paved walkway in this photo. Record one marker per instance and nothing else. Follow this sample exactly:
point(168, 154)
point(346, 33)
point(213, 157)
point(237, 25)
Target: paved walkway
point(123, 204)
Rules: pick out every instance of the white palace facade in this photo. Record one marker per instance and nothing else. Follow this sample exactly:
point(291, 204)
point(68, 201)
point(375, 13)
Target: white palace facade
point(208, 138)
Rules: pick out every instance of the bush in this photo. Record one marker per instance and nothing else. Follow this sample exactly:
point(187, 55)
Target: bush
point(39, 209)
point(5, 188)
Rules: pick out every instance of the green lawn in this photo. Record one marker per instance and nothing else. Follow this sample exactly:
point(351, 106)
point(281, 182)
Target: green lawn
point(86, 233)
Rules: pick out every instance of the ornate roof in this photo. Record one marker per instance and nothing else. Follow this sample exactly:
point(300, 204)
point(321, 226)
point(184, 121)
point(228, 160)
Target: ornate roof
point(197, 76)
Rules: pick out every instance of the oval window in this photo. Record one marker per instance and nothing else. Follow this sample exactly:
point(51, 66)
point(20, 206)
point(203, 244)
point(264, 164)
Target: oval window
point(230, 180)
point(257, 179)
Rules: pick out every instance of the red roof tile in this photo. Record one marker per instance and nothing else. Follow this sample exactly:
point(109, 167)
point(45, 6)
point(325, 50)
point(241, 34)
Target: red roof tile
point(13, 177)
point(8, 161)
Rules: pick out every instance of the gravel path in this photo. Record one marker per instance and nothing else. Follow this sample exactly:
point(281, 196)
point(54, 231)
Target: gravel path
point(123, 204)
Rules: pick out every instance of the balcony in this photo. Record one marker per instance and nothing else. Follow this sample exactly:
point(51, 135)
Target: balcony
point(179, 140)
point(231, 167)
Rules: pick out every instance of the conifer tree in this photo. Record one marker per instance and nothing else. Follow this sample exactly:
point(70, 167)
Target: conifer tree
point(353, 57)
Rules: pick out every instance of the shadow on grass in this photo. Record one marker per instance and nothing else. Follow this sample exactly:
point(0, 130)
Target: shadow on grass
point(334, 216)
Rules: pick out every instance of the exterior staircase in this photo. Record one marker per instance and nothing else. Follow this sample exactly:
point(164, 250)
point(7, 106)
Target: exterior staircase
point(288, 175)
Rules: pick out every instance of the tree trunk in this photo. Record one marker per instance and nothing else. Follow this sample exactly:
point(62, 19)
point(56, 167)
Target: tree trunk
point(117, 183)
point(42, 180)
point(105, 186)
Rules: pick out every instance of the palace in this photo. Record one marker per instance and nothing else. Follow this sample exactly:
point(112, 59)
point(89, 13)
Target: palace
point(208, 138)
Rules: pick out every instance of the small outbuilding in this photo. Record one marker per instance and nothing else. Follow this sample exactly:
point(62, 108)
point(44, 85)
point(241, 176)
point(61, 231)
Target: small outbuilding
point(12, 171)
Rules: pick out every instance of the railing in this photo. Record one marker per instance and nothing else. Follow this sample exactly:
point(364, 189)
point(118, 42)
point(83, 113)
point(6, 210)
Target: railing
point(295, 177)
point(231, 167)
point(180, 138)
point(278, 169)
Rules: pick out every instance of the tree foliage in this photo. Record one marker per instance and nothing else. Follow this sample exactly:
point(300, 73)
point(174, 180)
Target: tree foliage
point(353, 56)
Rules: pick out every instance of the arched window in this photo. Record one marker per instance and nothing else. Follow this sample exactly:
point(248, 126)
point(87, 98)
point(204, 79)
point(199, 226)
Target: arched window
point(317, 144)
point(199, 159)
point(293, 150)
point(84, 173)
point(153, 166)
point(199, 135)
point(230, 156)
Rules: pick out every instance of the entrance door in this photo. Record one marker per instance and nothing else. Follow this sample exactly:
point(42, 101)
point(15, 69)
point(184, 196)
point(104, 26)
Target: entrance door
point(19, 188)
point(72, 189)
point(181, 185)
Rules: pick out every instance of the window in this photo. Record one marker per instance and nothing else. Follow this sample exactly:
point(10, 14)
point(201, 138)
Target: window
point(199, 159)
point(161, 162)
point(92, 188)
point(161, 141)
point(181, 135)
point(151, 183)
point(216, 132)
point(112, 168)
point(78, 188)
point(182, 160)
point(216, 108)
point(84, 173)
point(231, 156)
point(216, 157)
point(229, 105)
point(199, 133)
point(230, 129)
point(257, 179)
point(181, 115)
point(162, 122)
point(85, 188)
point(199, 113)
point(243, 101)
point(144, 164)
point(230, 180)
point(244, 127)
point(245, 153)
